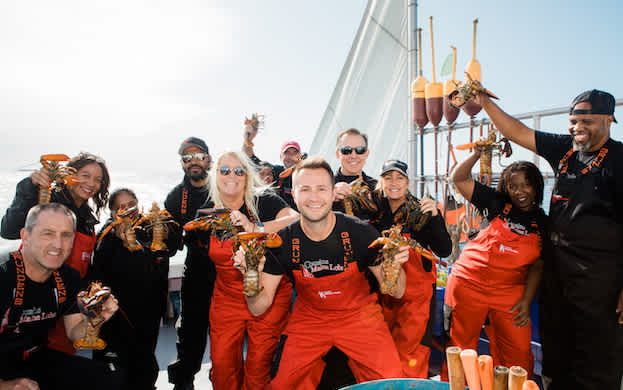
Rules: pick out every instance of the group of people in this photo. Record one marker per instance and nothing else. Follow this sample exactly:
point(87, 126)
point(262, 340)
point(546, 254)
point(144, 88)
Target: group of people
point(321, 319)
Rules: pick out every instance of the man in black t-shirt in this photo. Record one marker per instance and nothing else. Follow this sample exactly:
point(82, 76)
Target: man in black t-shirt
point(325, 254)
point(582, 317)
point(199, 274)
point(35, 289)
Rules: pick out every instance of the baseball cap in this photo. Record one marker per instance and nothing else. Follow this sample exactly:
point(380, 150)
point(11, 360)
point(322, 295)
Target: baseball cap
point(394, 165)
point(601, 103)
point(193, 141)
point(290, 144)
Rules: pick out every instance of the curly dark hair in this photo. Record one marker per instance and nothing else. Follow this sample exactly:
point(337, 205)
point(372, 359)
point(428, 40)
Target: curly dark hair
point(115, 194)
point(83, 159)
point(533, 175)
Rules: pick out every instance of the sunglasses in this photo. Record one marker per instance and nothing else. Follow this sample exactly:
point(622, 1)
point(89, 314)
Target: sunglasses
point(226, 170)
point(186, 158)
point(358, 149)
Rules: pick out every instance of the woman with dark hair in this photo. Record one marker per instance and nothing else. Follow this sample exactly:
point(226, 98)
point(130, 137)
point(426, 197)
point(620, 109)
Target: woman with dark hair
point(92, 184)
point(498, 273)
point(139, 280)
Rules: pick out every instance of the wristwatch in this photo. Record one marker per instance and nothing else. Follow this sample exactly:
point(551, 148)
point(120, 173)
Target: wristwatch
point(260, 226)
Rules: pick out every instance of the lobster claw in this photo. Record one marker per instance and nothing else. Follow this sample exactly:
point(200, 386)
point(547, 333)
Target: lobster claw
point(379, 241)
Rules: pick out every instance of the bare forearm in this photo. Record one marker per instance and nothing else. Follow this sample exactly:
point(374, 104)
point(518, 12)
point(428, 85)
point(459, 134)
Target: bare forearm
point(533, 280)
point(461, 176)
point(510, 127)
point(401, 285)
point(77, 331)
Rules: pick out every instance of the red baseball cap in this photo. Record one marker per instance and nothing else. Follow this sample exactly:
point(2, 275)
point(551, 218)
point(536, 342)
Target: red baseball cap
point(290, 144)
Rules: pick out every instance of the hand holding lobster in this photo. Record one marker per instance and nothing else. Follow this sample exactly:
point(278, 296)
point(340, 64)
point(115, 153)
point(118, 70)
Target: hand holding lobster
point(158, 218)
point(218, 221)
point(414, 213)
point(395, 253)
point(249, 250)
point(359, 198)
point(486, 147)
point(467, 91)
point(52, 175)
point(124, 222)
point(98, 305)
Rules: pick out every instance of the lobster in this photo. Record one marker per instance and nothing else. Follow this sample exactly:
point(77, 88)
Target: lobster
point(254, 245)
point(158, 219)
point(360, 198)
point(392, 239)
point(290, 170)
point(467, 91)
point(217, 221)
point(256, 122)
point(58, 174)
point(410, 214)
point(90, 303)
point(127, 218)
point(486, 148)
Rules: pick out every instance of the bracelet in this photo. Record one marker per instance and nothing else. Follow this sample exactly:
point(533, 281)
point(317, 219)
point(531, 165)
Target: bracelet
point(260, 227)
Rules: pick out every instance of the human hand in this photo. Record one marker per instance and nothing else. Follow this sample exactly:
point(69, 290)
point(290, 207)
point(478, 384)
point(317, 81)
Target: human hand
point(341, 190)
point(249, 132)
point(402, 256)
point(19, 384)
point(239, 219)
point(40, 178)
point(429, 205)
point(109, 307)
point(522, 318)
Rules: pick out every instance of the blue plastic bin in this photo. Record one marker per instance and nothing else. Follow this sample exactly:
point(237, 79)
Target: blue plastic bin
point(400, 384)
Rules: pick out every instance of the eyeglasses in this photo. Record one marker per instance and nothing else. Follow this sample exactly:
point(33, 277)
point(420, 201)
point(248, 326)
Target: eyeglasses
point(226, 170)
point(349, 149)
point(186, 158)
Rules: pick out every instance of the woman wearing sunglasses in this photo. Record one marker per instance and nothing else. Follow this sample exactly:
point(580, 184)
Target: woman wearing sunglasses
point(409, 318)
point(235, 184)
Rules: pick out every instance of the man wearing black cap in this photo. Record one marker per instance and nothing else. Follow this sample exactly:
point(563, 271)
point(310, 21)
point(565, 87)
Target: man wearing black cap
point(582, 314)
point(199, 272)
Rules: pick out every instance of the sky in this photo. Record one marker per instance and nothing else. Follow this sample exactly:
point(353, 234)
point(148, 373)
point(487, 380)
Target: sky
point(129, 80)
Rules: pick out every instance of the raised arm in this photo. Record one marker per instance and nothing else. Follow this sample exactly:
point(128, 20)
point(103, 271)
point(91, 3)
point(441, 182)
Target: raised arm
point(462, 176)
point(510, 127)
point(26, 196)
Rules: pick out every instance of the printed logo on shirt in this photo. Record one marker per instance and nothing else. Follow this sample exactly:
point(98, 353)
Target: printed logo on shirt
point(36, 314)
point(504, 249)
point(325, 294)
point(296, 250)
point(320, 265)
point(517, 228)
point(86, 256)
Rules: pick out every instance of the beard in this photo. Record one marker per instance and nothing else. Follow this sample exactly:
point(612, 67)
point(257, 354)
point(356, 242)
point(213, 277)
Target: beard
point(582, 147)
point(197, 176)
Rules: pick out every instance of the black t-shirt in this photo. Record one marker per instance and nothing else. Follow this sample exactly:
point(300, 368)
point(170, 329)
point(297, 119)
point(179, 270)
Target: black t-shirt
point(26, 326)
point(491, 204)
point(586, 209)
point(326, 257)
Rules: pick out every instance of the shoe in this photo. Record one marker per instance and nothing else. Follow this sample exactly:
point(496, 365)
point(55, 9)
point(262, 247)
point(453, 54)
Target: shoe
point(184, 386)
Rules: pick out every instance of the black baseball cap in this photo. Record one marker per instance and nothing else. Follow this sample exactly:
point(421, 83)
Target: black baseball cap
point(601, 103)
point(394, 165)
point(193, 141)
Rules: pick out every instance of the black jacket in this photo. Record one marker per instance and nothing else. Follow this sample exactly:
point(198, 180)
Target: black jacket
point(27, 196)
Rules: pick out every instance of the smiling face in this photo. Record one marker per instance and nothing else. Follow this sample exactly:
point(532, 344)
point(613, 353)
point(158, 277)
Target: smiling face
point(521, 192)
point(351, 164)
point(589, 131)
point(395, 186)
point(49, 243)
point(196, 169)
point(90, 178)
point(313, 194)
point(290, 156)
point(230, 185)
point(123, 200)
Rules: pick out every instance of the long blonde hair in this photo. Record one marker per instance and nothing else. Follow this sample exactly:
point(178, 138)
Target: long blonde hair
point(253, 186)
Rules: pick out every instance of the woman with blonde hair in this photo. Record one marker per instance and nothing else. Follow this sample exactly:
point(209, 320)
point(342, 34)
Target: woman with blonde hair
point(235, 185)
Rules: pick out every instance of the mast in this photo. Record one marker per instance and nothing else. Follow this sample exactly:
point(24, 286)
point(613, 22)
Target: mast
point(412, 71)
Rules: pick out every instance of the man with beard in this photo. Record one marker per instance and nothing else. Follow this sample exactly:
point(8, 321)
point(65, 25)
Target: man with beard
point(582, 314)
point(199, 272)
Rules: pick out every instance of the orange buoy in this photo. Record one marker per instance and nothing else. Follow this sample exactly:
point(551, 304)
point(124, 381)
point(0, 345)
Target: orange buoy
point(449, 86)
point(472, 108)
point(433, 92)
point(417, 91)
